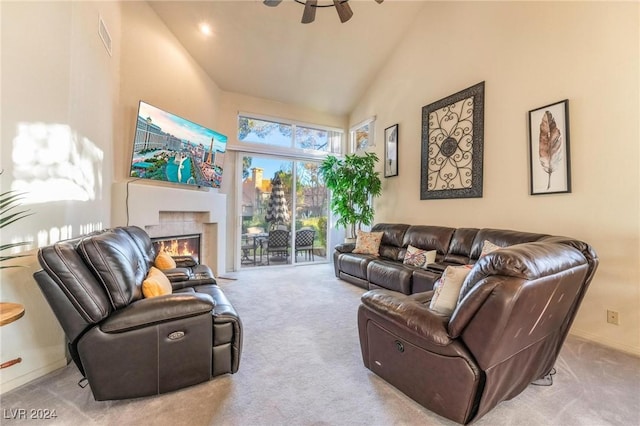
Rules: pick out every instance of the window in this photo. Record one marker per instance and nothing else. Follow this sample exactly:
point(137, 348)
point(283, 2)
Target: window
point(362, 135)
point(289, 135)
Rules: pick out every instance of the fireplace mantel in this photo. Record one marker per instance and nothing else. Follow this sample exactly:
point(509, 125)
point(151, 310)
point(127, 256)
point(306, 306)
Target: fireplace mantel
point(146, 202)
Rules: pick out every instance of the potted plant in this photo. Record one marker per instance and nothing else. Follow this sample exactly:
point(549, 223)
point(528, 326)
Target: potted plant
point(9, 202)
point(353, 181)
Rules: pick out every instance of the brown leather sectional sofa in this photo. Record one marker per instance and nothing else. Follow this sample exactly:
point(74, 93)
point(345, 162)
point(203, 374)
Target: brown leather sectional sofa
point(513, 313)
point(455, 246)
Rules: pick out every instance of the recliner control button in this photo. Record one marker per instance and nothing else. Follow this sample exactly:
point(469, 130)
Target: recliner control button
point(176, 335)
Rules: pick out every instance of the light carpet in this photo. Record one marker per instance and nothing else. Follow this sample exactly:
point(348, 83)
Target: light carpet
point(301, 365)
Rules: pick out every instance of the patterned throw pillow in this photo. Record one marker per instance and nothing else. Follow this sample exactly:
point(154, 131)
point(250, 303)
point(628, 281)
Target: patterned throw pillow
point(445, 296)
point(418, 257)
point(488, 247)
point(368, 242)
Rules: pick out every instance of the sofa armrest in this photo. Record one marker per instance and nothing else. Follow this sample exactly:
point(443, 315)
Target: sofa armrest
point(177, 274)
point(345, 247)
point(411, 312)
point(156, 310)
point(184, 261)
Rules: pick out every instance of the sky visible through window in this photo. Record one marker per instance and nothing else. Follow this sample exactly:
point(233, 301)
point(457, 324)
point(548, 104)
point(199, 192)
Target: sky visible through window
point(270, 166)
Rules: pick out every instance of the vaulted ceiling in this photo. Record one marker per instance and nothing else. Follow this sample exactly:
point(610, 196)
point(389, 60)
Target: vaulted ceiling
point(268, 53)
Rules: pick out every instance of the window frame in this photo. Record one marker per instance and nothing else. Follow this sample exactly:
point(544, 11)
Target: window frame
point(291, 150)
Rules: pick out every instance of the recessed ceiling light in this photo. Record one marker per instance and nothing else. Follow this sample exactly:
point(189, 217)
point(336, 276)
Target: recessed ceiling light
point(205, 29)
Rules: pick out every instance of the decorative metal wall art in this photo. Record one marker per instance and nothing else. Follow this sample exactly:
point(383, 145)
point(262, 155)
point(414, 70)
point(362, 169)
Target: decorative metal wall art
point(452, 145)
point(391, 151)
point(549, 144)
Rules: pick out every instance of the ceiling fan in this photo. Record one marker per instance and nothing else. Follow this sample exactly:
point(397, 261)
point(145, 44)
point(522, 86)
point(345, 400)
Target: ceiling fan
point(309, 15)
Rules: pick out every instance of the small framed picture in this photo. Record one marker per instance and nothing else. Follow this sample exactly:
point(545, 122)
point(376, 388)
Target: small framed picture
point(549, 161)
point(391, 151)
point(362, 136)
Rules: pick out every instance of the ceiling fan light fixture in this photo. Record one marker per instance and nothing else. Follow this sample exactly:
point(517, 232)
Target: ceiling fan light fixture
point(344, 10)
point(309, 14)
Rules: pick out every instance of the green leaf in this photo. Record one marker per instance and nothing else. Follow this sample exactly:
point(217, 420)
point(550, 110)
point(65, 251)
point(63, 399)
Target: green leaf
point(353, 182)
point(9, 201)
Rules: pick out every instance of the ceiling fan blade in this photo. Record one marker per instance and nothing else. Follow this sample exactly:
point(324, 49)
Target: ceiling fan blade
point(343, 9)
point(309, 14)
point(272, 3)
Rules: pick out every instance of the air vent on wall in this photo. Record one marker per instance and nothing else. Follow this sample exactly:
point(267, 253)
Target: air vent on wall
point(104, 35)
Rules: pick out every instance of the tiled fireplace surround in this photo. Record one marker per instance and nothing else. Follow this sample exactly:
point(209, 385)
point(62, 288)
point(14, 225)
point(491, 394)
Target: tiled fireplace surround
point(166, 211)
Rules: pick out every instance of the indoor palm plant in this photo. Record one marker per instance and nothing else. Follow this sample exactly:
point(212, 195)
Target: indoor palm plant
point(353, 181)
point(9, 213)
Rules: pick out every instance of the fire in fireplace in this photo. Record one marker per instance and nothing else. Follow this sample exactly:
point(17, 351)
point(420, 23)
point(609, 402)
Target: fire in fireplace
point(179, 245)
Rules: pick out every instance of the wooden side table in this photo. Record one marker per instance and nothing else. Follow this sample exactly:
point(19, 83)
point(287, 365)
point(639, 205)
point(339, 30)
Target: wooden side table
point(10, 312)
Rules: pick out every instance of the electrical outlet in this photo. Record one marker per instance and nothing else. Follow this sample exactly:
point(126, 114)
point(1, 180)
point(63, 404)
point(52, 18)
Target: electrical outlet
point(612, 317)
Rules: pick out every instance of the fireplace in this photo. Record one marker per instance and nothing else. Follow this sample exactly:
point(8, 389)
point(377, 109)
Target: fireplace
point(179, 245)
point(163, 210)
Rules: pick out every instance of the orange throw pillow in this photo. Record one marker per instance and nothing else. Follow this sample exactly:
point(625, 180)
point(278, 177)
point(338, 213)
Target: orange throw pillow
point(164, 261)
point(156, 283)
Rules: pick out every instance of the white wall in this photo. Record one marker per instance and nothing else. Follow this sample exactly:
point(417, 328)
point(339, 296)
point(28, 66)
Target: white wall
point(59, 94)
point(530, 55)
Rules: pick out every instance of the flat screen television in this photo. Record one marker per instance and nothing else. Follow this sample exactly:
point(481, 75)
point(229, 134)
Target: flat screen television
point(171, 149)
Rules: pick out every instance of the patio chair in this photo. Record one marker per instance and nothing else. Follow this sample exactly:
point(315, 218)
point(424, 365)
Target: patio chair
point(304, 242)
point(278, 244)
point(250, 243)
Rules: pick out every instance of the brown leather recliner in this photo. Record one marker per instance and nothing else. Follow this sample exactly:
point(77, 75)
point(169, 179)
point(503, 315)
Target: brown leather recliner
point(513, 314)
point(124, 344)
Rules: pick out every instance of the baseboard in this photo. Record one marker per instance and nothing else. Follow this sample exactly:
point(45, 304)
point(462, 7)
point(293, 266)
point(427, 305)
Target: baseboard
point(31, 375)
point(633, 350)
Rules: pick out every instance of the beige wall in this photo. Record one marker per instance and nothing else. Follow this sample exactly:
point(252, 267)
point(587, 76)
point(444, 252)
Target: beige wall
point(530, 55)
point(59, 93)
point(158, 70)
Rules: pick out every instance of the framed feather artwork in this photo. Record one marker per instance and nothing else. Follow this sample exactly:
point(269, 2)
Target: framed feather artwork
point(391, 151)
point(452, 146)
point(549, 162)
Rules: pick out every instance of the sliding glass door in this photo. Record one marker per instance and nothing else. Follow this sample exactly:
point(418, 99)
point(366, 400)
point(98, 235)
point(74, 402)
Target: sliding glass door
point(283, 212)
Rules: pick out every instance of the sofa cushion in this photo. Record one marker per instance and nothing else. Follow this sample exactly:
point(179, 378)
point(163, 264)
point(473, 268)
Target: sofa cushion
point(390, 274)
point(354, 264)
point(418, 257)
point(423, 280)
point(156, 283)
point(393, 233)
point(461, 246)
point(118, 264)
point(368, 242)
point(142, 240)
point(445, 296)
point(428, 237)
point(502, 238)
point(391, 246)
